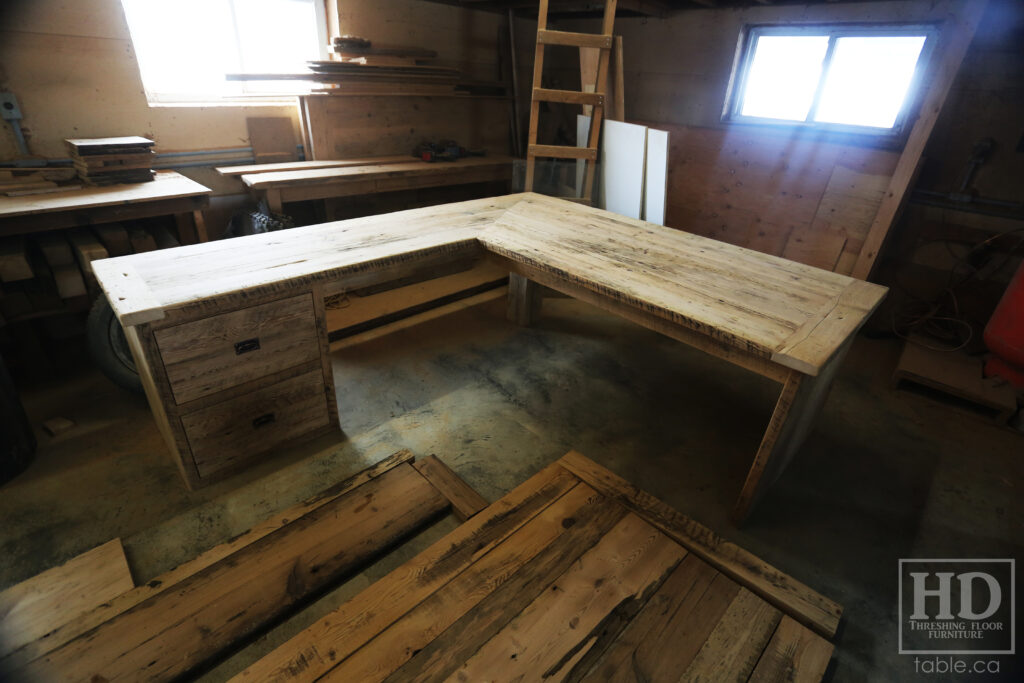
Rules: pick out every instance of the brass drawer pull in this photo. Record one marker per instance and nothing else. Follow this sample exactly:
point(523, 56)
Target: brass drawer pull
point(262, 420)
point(247, 345)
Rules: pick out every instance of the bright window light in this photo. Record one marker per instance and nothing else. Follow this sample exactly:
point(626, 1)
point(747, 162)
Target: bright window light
point(784, 76)
point(854, 79)
point(187, 47)
point(868, 80)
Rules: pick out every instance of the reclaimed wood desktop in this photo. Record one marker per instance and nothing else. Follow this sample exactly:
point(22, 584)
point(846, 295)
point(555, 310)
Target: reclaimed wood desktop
point(321, 182)
point(241, 320)
point(169, 194)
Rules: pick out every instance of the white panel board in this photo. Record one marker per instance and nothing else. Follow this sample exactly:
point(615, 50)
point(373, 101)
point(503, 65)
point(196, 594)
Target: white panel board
point(622, 168)
point(656, 176)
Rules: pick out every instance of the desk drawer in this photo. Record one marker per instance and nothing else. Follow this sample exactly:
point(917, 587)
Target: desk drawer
point(213, 354)
point(229, 432)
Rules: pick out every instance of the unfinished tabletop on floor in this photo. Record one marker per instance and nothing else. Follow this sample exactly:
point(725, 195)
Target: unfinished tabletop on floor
point(165, 185)
point(794, 315)
point(574, 575)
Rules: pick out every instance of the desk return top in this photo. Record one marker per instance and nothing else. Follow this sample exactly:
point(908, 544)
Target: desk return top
point(795, 315)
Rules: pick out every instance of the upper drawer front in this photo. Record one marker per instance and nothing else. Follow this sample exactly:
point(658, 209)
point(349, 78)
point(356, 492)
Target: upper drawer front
point(226, 433)
point(209, 355)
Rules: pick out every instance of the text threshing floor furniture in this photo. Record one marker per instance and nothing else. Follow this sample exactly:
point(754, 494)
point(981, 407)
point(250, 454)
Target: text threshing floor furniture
point(231, 342)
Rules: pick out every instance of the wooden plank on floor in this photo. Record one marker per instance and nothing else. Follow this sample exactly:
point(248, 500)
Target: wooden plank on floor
point(36, 606)
point(794, 598)
point(171, 633)
point(316, 650)
point(112, 607)
point(617, 575)
point(793, 654)
point(663, 639)
point(735, 644)
point(439, 659)
point(555, 532)
point(466, 502)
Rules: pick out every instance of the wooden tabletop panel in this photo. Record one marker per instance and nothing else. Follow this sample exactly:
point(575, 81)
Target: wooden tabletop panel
point(794, 315)
point(575, 575)
point(166, 185)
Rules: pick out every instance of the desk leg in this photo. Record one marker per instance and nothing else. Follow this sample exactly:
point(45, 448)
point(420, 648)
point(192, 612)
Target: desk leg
point(524, 300)
point(191, 227)
point(274, 203)
point(799, 404)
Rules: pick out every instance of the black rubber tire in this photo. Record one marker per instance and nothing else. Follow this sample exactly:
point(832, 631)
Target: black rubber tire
point(109, 348)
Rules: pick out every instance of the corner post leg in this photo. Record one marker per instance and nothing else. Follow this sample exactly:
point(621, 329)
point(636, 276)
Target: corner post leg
point(798, 406)
point(524, 300)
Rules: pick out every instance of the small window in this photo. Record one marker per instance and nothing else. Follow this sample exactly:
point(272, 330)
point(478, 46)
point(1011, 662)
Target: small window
point(186, 48)
point(849, 79)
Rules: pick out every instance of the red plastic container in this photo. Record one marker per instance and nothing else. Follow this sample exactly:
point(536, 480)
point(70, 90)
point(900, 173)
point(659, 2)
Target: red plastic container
point(1004, 334)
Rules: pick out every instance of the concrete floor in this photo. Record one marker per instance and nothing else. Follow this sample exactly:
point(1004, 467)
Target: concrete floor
point(884, 475)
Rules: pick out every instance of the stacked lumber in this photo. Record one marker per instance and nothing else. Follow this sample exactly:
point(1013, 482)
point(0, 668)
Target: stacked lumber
point(201, 611)
point(358, 66)
point(51, 272)
point(108, 161)
point(18, 182)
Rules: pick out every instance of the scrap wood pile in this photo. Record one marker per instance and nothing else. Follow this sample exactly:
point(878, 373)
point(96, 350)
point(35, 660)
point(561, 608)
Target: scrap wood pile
point(22, 181)
point(52, 271)
point(107, 161)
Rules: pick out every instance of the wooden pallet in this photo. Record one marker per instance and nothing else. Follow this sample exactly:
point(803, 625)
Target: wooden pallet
point(955, 379)
point(595, 100)
point(574, 575)
point(199, 612)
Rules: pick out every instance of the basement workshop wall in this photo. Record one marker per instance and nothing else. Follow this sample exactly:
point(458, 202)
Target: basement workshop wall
point(73, 69)
point(805, 196)
point(986, 101)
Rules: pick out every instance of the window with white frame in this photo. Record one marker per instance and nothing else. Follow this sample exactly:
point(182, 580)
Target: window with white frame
point(854, 79)
point(186, 48)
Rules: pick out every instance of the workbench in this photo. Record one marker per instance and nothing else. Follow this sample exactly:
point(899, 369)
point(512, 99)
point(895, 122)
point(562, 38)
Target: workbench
point(278, 187)
point(231, 342)
point(168, 194)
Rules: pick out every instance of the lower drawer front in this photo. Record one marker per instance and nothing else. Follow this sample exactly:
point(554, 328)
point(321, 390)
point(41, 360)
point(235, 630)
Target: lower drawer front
point(237, 429)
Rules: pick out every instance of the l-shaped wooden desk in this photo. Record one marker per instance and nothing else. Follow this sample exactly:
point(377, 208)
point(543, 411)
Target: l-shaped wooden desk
point(231, 343)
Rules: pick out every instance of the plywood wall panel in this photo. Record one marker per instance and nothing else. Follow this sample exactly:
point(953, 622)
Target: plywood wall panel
point(351, 126)
point(806, 199)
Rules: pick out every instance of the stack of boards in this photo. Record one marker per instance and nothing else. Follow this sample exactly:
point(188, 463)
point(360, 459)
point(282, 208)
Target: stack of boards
point(52, 271)
point(20, 182)
point(108, 161)
point(357, 66)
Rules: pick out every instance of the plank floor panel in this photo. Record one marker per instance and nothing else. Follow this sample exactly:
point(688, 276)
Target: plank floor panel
point(595, 583)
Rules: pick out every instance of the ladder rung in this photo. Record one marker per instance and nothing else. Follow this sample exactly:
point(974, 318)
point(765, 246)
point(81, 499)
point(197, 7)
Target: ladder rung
point(599, 40)
point(594, 99)
point(562, 152)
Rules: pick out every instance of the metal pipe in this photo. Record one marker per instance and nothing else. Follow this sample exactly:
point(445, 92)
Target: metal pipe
point(191, 164)
point(990, 207)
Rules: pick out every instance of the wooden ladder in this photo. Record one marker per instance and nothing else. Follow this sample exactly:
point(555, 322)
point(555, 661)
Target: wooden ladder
point(602, 41)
